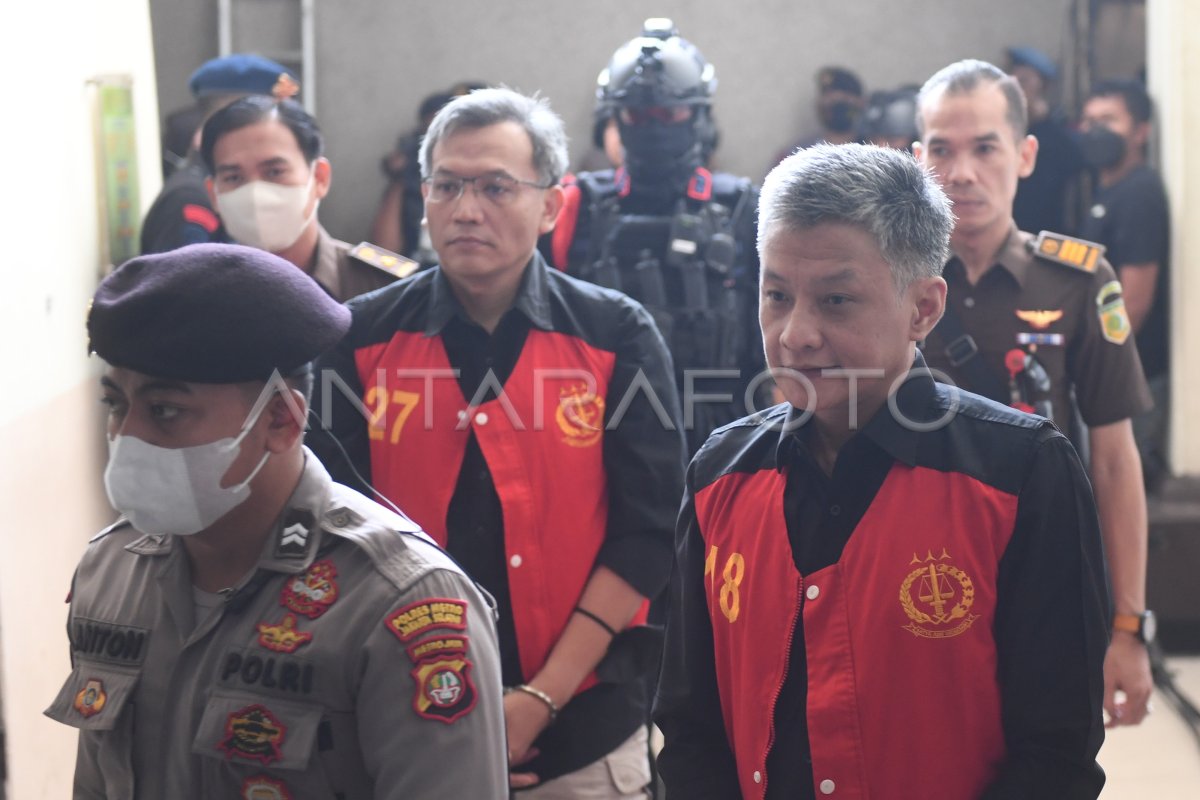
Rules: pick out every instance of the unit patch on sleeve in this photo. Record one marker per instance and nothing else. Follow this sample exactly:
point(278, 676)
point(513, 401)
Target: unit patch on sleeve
point(436, 612)
point(312, 593)
point(1114, 319)
point(282, 638)
point(937, 597)
point(437, 646)
point(260, 787)
point(253, 733)
point(444, 688)
point(91, 698)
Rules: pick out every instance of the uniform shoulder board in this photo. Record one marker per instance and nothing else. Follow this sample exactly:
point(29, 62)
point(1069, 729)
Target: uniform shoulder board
point(393, 264)
point(1068, 251)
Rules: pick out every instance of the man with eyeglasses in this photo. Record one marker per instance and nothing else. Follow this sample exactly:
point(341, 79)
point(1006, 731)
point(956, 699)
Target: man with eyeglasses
point(528, 421)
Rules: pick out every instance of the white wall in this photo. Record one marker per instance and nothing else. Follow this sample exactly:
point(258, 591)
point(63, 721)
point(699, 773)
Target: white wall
point(50, 432)
point(377, 59)
point(1174, 76)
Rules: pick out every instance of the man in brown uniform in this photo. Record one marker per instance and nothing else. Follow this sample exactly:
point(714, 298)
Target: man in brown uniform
point(1029, 319)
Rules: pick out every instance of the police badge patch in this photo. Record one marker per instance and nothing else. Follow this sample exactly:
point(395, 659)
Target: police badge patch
point(91, 698)
point(312, 593)
point(253, 733)
point(444, 689)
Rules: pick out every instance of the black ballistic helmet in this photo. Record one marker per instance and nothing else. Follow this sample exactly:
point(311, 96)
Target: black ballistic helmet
point(657, 68)
point(891, 115)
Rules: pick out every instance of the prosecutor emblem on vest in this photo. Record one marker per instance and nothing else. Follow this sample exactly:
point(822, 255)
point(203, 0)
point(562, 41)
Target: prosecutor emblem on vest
point(937, 596)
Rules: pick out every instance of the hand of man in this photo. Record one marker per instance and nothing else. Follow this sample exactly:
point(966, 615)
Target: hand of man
point(1126, 668)
point(525, 717)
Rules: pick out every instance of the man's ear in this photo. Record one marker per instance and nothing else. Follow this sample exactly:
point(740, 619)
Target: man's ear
point(928, 297)
point(1027, 151)
point(552, 205)
point(286, 415)
point(212, 193)
point(322, 176)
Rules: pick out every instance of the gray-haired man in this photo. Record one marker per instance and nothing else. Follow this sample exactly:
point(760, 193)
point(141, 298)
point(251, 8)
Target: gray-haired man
point(883, 582)
point(528, 420)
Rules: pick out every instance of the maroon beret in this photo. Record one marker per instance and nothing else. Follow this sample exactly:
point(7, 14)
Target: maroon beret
point(212, 313)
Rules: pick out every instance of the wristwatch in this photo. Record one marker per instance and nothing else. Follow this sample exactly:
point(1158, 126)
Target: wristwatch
point(1144, 626)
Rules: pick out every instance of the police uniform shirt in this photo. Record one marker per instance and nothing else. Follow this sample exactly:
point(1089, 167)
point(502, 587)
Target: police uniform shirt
point(354, 662)
point(1069, 318)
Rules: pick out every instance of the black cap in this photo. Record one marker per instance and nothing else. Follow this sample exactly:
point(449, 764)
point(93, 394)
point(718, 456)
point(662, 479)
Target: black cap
point(212, 313)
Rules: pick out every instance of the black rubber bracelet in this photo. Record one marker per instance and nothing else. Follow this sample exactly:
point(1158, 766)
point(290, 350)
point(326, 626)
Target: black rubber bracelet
point(596, 620)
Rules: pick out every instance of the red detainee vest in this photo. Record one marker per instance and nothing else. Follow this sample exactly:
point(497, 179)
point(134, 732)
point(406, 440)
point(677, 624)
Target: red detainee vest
point(902, 692)
point(542, 438)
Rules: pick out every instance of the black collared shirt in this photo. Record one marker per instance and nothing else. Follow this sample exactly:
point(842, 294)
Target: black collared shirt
point(643, 461)
point(1050, 671)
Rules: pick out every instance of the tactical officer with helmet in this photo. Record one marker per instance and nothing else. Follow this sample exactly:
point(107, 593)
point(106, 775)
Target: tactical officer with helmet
point(665, 230)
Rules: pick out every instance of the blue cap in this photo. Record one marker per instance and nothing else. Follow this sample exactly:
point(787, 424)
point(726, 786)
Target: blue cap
point(1032, 57)
point(243, 73)
point(213, 313)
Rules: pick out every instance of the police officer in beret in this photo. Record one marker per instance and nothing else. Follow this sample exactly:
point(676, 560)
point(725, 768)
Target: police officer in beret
point(1031, 320)
point(267, 176)
point(182, 213)
point(248, 628)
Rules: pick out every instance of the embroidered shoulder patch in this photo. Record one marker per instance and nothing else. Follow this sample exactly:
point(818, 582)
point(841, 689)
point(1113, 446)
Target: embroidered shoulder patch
point(1067, 250)
point(436, 612)
point(444, 689)
point(437, 646)
point(1115, 326)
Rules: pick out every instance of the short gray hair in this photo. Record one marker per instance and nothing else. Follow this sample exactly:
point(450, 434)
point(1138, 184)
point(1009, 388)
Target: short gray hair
point(880, 190)
point(485, 107)
point(964, 77)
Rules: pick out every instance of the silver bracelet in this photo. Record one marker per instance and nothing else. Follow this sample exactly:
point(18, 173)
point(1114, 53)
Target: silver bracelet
point(540, 695)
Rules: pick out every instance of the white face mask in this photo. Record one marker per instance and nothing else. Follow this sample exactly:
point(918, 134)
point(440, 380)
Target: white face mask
point(269, 216)
point(179, 492)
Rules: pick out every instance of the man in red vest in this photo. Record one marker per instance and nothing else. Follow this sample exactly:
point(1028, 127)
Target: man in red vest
point(528, 421)
point(885, 586)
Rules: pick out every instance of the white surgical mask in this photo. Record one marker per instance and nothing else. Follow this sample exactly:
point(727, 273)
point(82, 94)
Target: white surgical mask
point(269, 216)
point(178, 492)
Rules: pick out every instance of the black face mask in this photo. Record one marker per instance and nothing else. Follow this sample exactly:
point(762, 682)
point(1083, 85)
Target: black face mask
point(654, 149)
point(840, 116)
point(1101, 147)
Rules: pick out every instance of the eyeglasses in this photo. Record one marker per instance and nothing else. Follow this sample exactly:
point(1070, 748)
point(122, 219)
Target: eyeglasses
point(499, 189)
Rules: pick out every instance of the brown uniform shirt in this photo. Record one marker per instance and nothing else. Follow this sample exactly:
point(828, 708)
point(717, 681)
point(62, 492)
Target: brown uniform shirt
point(342, 275)
point(1071, 320)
